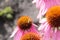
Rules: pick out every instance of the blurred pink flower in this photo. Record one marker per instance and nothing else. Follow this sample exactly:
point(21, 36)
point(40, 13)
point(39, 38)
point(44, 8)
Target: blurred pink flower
point(50, 25)
point(18, 32)
point(43, 6)
point(49, 33)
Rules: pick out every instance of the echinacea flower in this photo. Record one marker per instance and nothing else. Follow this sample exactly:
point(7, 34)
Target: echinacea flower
point(44, 5)
point(24, 25)
point(50, 26)
point(31, 36)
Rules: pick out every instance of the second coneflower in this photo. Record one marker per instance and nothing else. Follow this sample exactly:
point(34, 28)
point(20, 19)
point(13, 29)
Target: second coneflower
point(31, 36)
point(24, 25)
point(51, 24)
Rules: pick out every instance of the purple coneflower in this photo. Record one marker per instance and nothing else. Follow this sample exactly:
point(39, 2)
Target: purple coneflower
point(24, 25)
point(50, 25)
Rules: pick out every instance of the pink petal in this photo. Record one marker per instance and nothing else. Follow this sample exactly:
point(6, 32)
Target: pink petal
point(33, 29)
point(38, 3)
point(18, 35)
point(50, 3)
point(43, 26)
point(58, 35)
point(50, 34)
point(47, 34)
point(35, 25)
point(14, 32)
point(41, 13)
point(44, 5)
point(53, 34)
point(47, 27)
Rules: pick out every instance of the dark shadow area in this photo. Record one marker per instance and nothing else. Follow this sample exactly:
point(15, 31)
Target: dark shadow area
point(36, 22)
point(2, 28)
point(1, 1)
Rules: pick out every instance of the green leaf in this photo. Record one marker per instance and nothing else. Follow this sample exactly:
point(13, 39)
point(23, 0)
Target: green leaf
point(9, 16)
point(8, 10)
point(1, 13)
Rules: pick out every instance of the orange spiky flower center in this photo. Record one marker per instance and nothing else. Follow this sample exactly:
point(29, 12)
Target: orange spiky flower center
point(24, 22)
point(53, 16)
point(30, 36)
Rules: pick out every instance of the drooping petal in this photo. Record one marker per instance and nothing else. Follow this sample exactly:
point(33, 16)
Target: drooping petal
point(53, 35)
point(45, 32)
point(58, 35)
point(35, 25)
point(34, 29)
point(41, 6)
point(47, 27)
point(39, 3)
point(50, 34)
point(18, 35)
point(43, 25)
point(14, 32)
point(41, 13)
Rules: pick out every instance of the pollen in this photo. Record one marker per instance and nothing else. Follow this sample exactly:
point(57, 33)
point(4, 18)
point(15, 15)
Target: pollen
point(53, 16)
point(24, 22)
point(30, 36)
